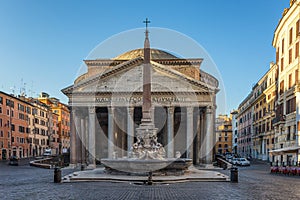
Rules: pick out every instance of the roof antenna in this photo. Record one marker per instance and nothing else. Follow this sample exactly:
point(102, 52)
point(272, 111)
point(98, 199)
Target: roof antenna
point(13, 90)
point(23, 88)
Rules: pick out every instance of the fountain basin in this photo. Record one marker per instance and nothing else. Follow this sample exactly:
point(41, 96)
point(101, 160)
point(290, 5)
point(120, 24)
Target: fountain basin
point(134, 166)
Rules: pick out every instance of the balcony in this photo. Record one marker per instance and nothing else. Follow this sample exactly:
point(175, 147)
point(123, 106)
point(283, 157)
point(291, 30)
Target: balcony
point(261, 134)
point(278, 120)
point(269, 113)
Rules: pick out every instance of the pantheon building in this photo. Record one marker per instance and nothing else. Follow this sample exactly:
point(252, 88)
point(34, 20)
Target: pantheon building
point(106, 104)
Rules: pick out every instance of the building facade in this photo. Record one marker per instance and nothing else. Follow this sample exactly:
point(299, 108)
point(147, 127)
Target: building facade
point(60, 126)
point(223, 135)
point(274, 100)
point(54, 134)
point(255, 116)
point(245, 126)
point(28, 127)
point(264, 93)
point(40, 127)
point(286, 122)
point(14, 119)
point(106, 107)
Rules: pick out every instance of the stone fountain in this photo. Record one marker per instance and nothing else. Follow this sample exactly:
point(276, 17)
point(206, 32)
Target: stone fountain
point(147, 154)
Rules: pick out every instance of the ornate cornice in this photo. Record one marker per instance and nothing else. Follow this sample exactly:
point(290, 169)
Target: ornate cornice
point(103, 62)
point(111, 62)
point(208, 79)
point(190, 61)
point(206, 82)
point(292, 2)
point(139, 93)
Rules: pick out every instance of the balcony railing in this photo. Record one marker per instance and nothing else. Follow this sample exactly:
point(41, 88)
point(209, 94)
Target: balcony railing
point(278, 119)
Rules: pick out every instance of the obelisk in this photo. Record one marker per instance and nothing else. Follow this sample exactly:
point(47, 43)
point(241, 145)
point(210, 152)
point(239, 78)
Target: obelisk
point(147, 146)
point(146, 118)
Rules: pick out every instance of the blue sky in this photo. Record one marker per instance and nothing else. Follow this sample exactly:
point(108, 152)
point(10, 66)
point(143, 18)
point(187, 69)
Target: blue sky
point(43, 43)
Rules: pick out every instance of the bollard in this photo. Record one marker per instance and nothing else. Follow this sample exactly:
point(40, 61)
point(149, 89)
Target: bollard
point(82, 167)
point(234, 174)
point(224, 165)
point(219, 163)
point(57, 175)
point(150, 178)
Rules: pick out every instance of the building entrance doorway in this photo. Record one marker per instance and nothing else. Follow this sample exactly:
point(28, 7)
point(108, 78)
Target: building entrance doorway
point(4, 156)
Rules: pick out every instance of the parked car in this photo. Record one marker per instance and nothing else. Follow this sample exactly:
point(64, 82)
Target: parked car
point(229, 158)
point(234, 161)
point(243, 162)
point(47, 152)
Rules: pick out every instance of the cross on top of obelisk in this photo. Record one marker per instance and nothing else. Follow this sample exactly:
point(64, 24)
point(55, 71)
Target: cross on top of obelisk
point(146, 22)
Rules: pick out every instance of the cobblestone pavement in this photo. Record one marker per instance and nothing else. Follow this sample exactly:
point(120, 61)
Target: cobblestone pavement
point(255, 182)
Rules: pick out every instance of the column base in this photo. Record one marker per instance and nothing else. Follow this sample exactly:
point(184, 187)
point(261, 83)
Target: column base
point(206, 166)
point(91, 166)
point(73, 166)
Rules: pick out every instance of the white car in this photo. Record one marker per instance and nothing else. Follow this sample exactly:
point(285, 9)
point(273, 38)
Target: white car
point(47, 152)
point(234, 161)
point(243, 162)
point(229, 158)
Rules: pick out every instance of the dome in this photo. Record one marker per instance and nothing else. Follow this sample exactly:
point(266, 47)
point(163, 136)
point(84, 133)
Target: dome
point(155, 54)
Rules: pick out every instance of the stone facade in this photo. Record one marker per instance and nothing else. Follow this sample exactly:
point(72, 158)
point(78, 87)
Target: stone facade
point(106, 107)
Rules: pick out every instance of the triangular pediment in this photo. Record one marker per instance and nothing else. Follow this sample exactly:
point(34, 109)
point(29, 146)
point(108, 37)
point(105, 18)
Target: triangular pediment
point(128, 77)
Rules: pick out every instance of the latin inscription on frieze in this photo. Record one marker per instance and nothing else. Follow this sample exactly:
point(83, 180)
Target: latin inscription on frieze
point(138, 99)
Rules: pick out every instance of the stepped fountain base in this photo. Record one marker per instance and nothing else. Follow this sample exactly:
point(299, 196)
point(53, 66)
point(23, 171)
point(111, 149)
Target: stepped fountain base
point(100, 174)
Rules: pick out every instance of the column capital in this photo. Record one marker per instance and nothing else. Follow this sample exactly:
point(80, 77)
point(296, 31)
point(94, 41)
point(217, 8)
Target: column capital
point(210, 109)
point(79, 112)
point(73, 111)
point(111, 109)
point(189, 110)
point(170, 109)
point(130, 110)
point(92, 109)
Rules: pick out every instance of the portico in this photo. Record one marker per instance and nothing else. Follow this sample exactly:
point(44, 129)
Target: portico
point(107, 107)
